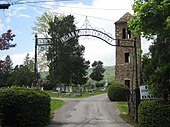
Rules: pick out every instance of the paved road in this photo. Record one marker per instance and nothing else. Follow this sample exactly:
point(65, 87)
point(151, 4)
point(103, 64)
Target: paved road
point(96, 111)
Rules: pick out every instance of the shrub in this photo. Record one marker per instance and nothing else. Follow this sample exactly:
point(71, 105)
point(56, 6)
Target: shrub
point(99, 84)
point(23, 107)
point(118, 92)
point(154, 113)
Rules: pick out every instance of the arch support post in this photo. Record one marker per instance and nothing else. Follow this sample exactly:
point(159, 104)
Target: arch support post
point(35, 62)
point(136, 90)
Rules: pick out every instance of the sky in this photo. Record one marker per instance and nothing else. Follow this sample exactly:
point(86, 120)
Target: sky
point(102, 14)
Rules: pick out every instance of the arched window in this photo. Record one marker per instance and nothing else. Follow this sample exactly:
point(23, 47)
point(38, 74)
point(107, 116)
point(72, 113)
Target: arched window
point(124, 33)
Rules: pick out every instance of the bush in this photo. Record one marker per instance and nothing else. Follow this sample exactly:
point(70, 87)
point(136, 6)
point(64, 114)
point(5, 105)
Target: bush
point(154, 113)
point(118, 92)
point(99, 84)
point(23, 107)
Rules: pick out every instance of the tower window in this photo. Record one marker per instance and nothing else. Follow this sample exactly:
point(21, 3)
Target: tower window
point(129, 34)
point(127, 57)
point(123, 33)
point(127, 83)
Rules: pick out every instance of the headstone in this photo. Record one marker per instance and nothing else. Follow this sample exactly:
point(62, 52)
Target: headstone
point(63, 88)
point(67, 89)
point(58, 89)
point(71, 89)
point(79, 91)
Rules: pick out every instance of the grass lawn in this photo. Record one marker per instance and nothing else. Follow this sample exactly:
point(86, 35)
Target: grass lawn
point(56, 104)
point(123, 108)
point(72, 95)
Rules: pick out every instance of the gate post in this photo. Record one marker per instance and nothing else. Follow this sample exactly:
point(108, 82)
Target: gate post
point(35, 62)
point(136, 90)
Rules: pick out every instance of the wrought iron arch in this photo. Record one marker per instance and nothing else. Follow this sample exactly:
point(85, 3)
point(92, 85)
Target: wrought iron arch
point(89, 32)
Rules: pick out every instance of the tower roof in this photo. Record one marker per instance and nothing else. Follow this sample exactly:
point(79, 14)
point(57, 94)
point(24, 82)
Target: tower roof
point(124, 19)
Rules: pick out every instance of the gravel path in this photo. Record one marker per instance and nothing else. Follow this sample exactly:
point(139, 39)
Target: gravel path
point(95, 111)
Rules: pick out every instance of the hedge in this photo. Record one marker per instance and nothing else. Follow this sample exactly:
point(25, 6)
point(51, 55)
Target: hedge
point(23, 107)
point(118, 92)
point(154, 113)
point(99, 84)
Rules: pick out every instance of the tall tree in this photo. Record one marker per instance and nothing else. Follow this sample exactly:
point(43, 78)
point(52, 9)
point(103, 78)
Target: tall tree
point(97, 71)
point(21, 76)
point(42, 24)
point(41, 28)
point(28, 61)
point(66, 58)
point(6, 71)
point(152, 19)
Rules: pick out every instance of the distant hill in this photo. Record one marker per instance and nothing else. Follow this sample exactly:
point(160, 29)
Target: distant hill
point(109, 73)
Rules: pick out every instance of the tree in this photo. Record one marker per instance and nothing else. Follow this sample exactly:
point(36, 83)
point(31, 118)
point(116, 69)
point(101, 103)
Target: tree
point(97, 71)
point(42, 24)
point(67, 64)
point(29, 62)
point(41, 28)
point(148, 15)
point(6, 71)
point(21, 76)
point(5, 40)
point(152, 19)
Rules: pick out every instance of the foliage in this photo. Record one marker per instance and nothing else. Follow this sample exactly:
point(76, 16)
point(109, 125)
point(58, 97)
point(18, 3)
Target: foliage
point(21, 76)
point(118, 92)
point(99, 84)
point(147, 17)
point(23, 107)
point(154, 113)
point(97, 71)
point(67, 63)
point(41, 28)
point(42, 24)
point(5, 71)
point(5, 40)
point(29, 62)
point(45, 84)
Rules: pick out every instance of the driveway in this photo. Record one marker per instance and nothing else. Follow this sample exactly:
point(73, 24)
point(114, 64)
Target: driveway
point(95, 111)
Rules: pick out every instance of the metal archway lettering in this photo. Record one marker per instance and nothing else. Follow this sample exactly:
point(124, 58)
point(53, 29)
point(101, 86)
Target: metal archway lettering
point(89, 32)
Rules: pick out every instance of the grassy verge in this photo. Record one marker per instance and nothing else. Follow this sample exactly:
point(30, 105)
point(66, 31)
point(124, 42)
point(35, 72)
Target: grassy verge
point(56, 104)
point(123, 108)
point(72, 95)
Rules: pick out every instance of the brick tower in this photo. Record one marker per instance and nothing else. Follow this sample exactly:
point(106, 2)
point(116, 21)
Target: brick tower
point(125, 70)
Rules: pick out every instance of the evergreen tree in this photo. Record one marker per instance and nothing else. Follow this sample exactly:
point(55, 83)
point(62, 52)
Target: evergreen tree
point(29, 62)
point(6, 71)
point(21, 76)
point(67, 64)
point(97, 71)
